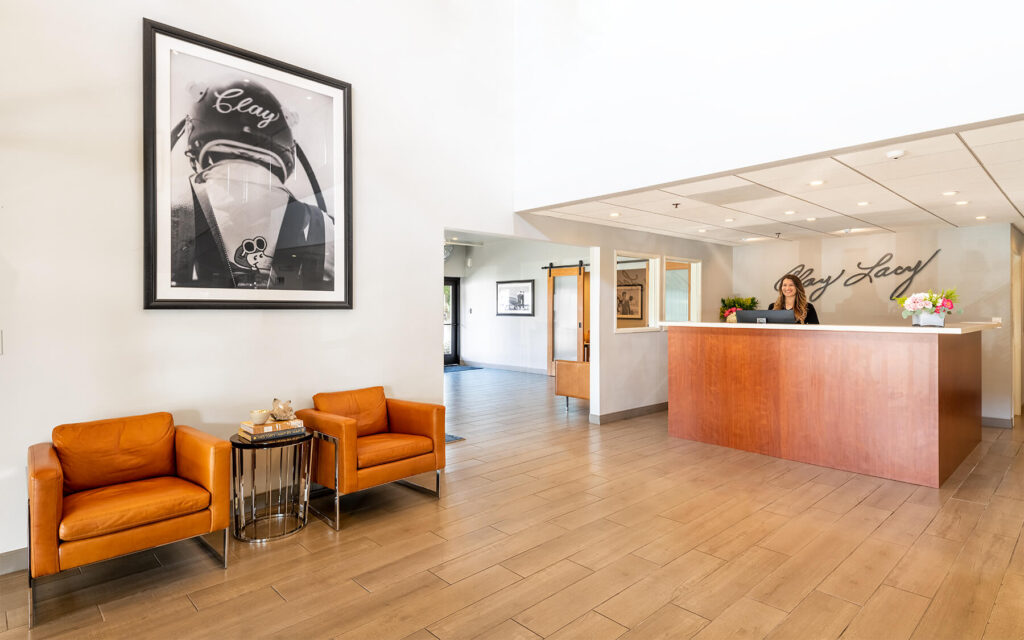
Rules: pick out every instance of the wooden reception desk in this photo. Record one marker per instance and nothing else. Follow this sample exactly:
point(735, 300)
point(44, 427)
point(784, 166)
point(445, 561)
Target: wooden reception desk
point(895, 402)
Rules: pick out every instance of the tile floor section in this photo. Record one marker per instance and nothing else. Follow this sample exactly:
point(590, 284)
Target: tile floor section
point(550, 527)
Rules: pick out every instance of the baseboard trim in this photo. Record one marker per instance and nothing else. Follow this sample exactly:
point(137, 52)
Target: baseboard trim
point(14, 560)
point(505, 367)
point(605, 418)
point(999, 423)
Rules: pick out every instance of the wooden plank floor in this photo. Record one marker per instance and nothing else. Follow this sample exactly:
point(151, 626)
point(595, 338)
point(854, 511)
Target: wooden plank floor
point(553, 527)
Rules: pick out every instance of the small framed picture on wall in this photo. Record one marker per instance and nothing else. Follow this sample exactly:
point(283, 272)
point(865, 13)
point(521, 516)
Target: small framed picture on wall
point(629, 302)
point(515, 298)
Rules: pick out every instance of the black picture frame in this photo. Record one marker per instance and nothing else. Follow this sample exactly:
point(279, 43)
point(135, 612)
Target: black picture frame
point(627, 308)
point(510, 297)
point(188, 261)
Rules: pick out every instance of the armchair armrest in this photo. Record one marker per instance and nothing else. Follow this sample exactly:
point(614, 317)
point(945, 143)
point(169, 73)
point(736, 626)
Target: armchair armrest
point(419, 419)
point(45, 508)
point(206, 460)
point(344, 430)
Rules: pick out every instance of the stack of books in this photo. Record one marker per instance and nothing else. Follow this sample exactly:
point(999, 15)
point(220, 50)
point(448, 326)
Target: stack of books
point(271, 430)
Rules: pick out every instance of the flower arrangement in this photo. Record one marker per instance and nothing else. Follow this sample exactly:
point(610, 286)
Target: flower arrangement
point(731, 305)
point(939, 303)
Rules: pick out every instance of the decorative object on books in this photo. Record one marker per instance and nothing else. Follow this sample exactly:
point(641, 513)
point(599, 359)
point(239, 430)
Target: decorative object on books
point(248, 178)
point(259, 416)
point(731, 305)
point(929, 308)
point(282, 410)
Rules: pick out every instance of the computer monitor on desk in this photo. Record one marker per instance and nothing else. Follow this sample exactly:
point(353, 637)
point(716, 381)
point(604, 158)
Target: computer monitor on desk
point(781, 316)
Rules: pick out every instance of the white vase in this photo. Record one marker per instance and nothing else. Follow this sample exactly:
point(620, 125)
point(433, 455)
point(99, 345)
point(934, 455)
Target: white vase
point(927, 319)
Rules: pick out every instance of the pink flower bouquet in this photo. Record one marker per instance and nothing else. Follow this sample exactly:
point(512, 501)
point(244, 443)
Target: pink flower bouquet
point(939, 303)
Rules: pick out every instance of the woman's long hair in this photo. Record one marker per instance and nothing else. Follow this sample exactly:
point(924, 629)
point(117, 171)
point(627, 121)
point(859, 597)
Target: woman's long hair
point(800, 300)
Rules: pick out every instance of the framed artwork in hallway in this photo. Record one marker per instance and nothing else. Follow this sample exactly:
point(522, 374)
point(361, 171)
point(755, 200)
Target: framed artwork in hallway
point(248, 173)
point(629, 301)
point(515, 298)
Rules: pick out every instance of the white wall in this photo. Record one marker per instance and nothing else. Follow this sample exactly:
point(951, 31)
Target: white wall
point(455, 265)
point(509, 342)
point(975, 260)
point(615, 95)
point(432, 146)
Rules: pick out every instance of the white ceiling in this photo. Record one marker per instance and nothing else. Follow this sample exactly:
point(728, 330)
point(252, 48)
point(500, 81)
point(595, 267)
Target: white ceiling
point(864, 191)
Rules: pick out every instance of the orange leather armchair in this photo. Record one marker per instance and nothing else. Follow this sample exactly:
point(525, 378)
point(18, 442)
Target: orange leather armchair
point(365, 440)
point(111, 487)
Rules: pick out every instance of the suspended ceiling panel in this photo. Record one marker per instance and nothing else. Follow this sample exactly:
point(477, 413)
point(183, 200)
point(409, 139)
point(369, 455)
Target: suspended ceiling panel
point(963, 177)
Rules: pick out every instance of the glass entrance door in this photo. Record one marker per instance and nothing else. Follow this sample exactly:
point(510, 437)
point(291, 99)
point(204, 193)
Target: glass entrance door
point(451, 321)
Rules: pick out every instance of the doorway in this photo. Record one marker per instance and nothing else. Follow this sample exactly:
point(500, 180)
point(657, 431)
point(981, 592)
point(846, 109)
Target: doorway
point(451, 321)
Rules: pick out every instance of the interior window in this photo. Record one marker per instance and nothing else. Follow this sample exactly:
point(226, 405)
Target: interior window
point(636, 291)
point(681, 290)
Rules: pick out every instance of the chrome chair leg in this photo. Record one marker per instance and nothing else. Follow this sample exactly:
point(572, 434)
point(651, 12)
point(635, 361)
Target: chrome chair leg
point(436, 491)
point(31, 601)
point(221, 555)
point(336, 522)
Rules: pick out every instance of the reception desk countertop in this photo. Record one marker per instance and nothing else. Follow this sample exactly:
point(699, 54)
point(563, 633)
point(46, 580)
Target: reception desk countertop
point(951, 328)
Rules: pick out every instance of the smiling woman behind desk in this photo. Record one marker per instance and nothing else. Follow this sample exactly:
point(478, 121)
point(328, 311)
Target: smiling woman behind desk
point(792, 296)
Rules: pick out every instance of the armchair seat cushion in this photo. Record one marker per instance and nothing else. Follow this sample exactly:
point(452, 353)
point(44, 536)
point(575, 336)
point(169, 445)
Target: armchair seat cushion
point(382, 448)
point(105, 510)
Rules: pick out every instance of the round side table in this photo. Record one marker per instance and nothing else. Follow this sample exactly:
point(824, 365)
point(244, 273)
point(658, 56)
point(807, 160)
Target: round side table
point(270, 481)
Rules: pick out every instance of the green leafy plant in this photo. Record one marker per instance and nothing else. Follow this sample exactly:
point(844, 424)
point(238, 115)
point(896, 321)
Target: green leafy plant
point(734, 304)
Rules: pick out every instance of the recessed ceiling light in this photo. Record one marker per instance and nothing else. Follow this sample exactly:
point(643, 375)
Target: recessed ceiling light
point(749, 239)
point(789, 213)
point(702, 230)
point(811, 219)
point(729, 220)
point(980, 217)
point(454, 238)
point(863, 204)
point(950, 193)
point(816, 183)
point(614, 214)
point(961, 202)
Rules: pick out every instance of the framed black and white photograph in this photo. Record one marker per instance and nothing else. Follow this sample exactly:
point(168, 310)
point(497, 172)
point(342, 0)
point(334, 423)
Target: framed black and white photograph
point(629, 301)
point(248, 178)
point(515, 298)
